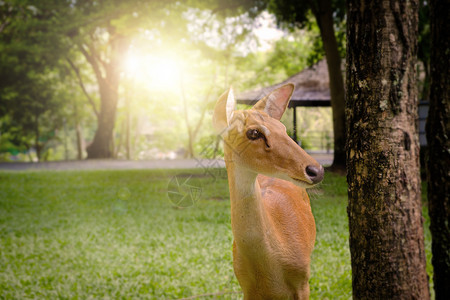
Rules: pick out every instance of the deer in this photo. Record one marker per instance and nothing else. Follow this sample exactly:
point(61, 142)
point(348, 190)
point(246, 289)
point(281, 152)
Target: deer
point(271, 219)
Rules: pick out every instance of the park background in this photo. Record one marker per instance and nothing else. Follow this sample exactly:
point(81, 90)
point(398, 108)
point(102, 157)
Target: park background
point(149, 72)
point(137, 80)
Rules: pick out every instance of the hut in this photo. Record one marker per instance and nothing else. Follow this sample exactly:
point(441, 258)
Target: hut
point(311, 89)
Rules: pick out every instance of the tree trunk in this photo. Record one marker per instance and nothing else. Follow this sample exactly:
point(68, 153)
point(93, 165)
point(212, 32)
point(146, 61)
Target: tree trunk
point(425, 93)
point(128, 125)
point(384, 211)
point(80, 146)
point(102, 144)
point(324, 17)
point(438, 160)
point(78, 132)
point(128, 136)
point(37, 136)
point(190, 146)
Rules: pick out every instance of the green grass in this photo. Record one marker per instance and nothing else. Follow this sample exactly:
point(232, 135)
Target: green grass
point(117, 235)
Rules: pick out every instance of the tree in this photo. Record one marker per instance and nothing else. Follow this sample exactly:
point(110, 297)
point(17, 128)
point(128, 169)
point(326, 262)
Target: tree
point(106, 33)
point(107, 73)
point(76, 82)
point(438, 160)
point(103, 44)
point(103, 32)
point(32, 111)
point(295, 13)
point(30, 99)
point(105, 36)
point(384, 211)
point(217, 36)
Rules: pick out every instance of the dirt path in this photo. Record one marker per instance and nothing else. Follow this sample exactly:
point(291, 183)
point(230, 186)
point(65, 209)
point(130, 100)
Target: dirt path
point(106, 164)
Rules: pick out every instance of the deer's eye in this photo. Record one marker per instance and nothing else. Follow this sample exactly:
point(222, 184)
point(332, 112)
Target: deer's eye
point(253, 134)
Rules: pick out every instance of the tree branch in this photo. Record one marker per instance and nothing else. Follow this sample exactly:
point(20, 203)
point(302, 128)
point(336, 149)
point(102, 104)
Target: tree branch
point(205, 108)
point(5, 17)
point(3, 26)
point(80, 82)
point(316, 10)
point(95, 54)
point(225, 7)
point(91, 59)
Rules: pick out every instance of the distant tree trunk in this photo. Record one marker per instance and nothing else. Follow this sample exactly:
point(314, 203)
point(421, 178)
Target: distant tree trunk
point(425, 92)
point(324, 17)
point(101, 145)
point(37, 137)
point(80, 143)
point(78, 132)
point(190, 146)
point(119, 142)
point(108, 81)
point(384, 211)
point(438, 160)
point(128, 136)
point(128, 125)
point(30, 158)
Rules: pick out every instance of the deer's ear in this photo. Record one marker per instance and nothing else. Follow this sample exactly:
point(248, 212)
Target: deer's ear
point(223, 110)
point(276, 102)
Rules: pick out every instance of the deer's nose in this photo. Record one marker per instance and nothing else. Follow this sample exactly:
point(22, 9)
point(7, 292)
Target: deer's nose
point(315, 174)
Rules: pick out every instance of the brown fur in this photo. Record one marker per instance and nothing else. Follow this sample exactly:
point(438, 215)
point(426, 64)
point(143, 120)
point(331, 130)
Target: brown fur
point(272, 223)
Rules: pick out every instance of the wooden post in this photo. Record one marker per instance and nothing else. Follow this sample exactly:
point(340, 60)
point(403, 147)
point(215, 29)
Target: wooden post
point(294, 131)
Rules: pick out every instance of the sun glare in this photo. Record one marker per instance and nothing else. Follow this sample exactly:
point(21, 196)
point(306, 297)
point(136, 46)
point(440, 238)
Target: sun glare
point(155, 72)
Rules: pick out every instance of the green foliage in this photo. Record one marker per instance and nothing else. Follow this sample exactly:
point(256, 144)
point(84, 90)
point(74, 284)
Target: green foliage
point(304, 14)
point(290, 55)
point(295, 14)
point(33, 113)
point(44, 70)
point(424, 42)
point(315, 129)
point(115, 234)
point(30, 97)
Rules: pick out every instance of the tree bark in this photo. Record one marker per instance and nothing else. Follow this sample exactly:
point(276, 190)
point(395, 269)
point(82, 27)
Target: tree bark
point(384, 211)
point(102, 145)
point(438, 160)
point(324, 17)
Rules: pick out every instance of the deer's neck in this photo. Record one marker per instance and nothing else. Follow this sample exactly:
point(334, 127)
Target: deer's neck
point(248, 218)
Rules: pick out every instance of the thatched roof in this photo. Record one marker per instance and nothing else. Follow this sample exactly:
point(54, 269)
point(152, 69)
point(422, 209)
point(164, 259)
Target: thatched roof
point(311, 88)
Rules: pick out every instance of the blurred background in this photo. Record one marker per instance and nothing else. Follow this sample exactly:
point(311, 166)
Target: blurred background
point(138, 79)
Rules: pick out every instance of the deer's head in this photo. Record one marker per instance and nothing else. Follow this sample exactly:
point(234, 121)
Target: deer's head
point(257, 140)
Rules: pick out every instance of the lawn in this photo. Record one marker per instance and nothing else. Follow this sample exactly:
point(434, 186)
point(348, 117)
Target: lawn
point(119, 235)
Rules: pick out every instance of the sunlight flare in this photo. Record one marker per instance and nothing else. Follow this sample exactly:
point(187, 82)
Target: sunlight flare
point(155, 72)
